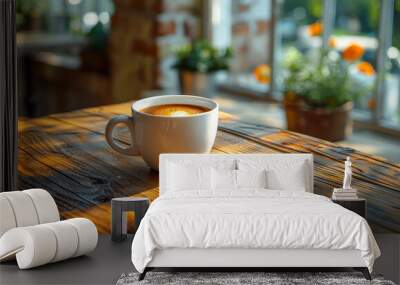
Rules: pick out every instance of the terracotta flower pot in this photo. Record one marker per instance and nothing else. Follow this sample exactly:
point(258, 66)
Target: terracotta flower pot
point(328, 124)
point(196, 83)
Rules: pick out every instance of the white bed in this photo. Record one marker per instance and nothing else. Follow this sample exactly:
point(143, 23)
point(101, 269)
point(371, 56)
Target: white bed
point(197, 224)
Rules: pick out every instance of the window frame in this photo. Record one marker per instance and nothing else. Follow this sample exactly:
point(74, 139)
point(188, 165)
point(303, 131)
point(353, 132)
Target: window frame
point(8, 97)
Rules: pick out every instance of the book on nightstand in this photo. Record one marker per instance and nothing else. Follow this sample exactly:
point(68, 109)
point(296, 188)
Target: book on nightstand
point(344, 194)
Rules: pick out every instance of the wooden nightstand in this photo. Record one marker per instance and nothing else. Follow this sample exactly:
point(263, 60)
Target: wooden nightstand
point(358, 206)
point(119, 207)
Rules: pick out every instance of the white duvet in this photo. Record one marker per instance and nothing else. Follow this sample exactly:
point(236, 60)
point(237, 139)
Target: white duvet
point(250, 219)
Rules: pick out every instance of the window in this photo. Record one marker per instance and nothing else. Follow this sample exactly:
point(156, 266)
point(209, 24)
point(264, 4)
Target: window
point(391, 88)
point(357, 22)
point(62, 16)
point(244, 26)
point(299, 26)
point(260, 42)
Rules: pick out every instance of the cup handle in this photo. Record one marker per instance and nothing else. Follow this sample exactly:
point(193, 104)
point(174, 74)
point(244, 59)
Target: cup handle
point(132, 149)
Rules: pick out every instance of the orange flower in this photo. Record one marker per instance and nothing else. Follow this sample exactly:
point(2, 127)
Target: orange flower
point(332, 42)
point(262, 73)
point(315, 29)
point(353, 52)
point(366, 68)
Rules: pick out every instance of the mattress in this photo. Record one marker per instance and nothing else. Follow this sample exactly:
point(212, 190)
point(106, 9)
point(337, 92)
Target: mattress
point(250, 219)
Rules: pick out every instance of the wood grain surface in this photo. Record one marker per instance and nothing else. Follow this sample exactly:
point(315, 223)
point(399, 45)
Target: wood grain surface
point(67, 154)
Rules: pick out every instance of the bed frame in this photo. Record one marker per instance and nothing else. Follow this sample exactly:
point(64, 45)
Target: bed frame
point(242, 259)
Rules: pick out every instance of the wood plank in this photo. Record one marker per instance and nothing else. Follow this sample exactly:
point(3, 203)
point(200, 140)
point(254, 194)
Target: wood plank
point(328, 159)
point(84, 157)
point(66, 200)
point(68, 153)
point(66, 146)
point(377, 179)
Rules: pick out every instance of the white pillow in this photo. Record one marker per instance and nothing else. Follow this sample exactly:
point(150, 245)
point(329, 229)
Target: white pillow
point(251, 178)
point(224, 179)
point(205, 162)
point(282, 174)
point(183, 178)
point(292, 180)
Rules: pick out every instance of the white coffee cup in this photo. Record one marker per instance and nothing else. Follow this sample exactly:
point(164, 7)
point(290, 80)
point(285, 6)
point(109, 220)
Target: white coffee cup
point(152, 135)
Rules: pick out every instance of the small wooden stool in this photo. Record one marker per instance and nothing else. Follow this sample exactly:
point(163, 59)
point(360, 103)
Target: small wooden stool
point(119, 207)
point(358, 206)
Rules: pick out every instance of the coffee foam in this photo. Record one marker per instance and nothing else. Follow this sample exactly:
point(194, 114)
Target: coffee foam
point(175, 110)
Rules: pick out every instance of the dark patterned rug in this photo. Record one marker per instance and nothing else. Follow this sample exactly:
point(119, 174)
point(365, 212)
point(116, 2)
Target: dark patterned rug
point(229, 278)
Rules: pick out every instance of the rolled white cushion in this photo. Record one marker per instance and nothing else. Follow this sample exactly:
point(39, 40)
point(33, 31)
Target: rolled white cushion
point(66, 238)
point(7, 218)
point(45, 205)
point(41, 244)
point(26, 208)
point(87, 235)
point(33, 246)
point(23, 208)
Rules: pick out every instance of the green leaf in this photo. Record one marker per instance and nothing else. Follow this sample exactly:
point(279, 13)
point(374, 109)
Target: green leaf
point(202, 56)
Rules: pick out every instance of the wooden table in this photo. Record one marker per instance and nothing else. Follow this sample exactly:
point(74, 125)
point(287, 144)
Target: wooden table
point(67, 154)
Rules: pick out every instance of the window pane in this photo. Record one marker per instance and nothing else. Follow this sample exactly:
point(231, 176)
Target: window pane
point(391, 105)
point(357, 22)
point(299, 26)
point(62, 16)
point(249, 22)
point(58, 39)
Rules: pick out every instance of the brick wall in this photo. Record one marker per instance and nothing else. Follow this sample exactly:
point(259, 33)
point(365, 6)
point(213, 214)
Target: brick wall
point(143, 37)
point(250, 27)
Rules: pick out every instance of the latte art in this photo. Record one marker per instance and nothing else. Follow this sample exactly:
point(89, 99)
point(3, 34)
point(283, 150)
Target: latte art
point(174, 110)
point(179, 113)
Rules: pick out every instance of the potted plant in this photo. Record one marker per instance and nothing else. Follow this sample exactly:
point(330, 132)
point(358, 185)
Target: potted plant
point(197, 63)
point(320, 91)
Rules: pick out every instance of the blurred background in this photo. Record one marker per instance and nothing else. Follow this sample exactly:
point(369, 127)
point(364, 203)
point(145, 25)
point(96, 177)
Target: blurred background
point(255, 57)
